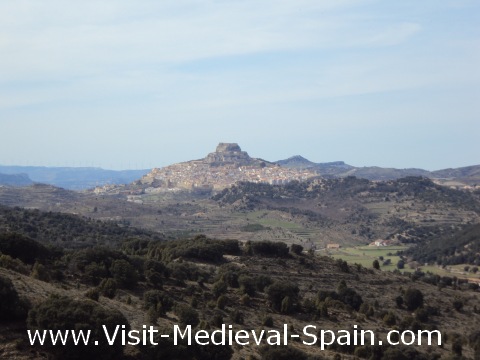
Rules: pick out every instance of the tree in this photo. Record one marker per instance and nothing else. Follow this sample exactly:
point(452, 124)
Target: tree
point(296, 249)
point(279, 290)
point(413, 299)
point(124, 274)
point(376, 264)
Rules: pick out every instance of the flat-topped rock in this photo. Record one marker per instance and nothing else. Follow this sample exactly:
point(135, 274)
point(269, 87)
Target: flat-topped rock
point(229, 153)
point(228, 147)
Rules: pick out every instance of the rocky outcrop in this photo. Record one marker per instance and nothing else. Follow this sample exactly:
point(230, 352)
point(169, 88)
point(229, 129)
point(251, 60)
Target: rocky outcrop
point(229, 153)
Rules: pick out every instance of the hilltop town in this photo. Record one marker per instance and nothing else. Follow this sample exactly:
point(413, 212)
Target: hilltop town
point(221, 169)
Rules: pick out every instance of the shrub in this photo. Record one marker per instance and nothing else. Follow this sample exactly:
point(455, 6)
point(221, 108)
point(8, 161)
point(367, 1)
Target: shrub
point(11, 307)
point(245, 300)
point(108, 288)
point(268, 321)
point(219, 288)
point(154, 298)
point(94, 272)
point(237, 317)
point(7, 262)
point(222, 302)
point(39, 271)
point(124, 274)
point(458, 304)
point(350, 297)
point(342, 265)
point(296, 249)
point(247, 284)
point(92, 294)
point(186, 315)
point(413, 299)
point(268, 249)
point(62, 313)
point(279, 290)
point(262, 281)
point(23, 248)
point(390, 319)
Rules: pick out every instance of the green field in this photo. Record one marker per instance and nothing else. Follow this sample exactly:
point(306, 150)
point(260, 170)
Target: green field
point(365, 255)
point(269, 219)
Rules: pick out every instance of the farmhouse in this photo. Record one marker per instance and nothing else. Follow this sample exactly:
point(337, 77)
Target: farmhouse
point(333, 246)
point(380, 242)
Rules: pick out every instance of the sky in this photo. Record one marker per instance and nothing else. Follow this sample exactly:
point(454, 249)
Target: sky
point(139, 84)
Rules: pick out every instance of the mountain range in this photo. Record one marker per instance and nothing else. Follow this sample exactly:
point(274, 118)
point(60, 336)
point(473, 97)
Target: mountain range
point(72, 178)
point(469, 175)
point(222, 168)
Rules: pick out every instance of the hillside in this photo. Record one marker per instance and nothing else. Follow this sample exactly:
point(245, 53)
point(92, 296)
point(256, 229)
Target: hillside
point(457, 246)
point(313, 213)
point(207, 283)
point(469, 175)
point(359, 209)
point(66, 230)
point(15, 180)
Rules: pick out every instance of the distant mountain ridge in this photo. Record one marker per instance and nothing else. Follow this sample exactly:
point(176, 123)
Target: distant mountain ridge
point(68, 177)
point(15, 180)
point(224, 167)
point(469, 175)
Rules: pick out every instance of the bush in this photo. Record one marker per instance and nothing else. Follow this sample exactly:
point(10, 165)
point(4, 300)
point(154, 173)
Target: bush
point(262, 281)
point(62, 313)
point(268, 321)
point(11, 307)
point(245, 300)
point(237, 317)
point(219, 288)
point(199, 248)
point(279, 290)
point(222, 302)
point(154, 298)
point(413, 299)
point(124, 274)
point(350, 297)
point(93, 294)
point(7, 262)
point(23, 248)
point(458, 304)
point(268, 249)
point(186, 315)
point(296, 249)
point(247, 284)
point(108, 288)
point(39, 271)
point(390, 319)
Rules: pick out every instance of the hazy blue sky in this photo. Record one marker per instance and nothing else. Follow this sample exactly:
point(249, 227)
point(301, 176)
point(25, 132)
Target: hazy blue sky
point(136, 84)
